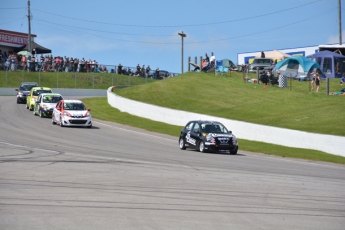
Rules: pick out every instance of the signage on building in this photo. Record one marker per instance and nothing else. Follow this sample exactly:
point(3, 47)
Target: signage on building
point(13, 39)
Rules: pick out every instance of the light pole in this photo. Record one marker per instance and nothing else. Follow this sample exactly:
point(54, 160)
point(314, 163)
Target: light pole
point(182, 36)
point(29, 25)
point(339, 21)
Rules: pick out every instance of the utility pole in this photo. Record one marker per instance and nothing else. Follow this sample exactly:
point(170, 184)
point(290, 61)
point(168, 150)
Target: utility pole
point(339, 21)
point(29, 33)
point(182, 36)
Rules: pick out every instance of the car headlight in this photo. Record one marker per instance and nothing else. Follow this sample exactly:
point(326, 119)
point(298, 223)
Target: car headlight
point(20, 93)
point(234, 140)
point(45, 107)
point(67, 114)
point(87, 114)
point(210, 138)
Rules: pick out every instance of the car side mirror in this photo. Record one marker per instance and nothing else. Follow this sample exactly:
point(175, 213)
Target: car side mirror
point(88, 109)
point(16, 89)
point(230, 132)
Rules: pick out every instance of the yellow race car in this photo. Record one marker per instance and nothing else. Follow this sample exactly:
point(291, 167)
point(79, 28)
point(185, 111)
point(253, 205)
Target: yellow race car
point(33, 95)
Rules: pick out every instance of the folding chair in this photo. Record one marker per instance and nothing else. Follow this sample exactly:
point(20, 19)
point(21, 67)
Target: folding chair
point(219, 67)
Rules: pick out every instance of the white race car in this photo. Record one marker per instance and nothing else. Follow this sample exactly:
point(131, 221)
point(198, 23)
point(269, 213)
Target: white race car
point(71, 113)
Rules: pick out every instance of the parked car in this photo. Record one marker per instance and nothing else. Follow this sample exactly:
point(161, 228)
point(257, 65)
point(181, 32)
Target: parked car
point(71, 113)
point(207, 136)
point(45, 104)
point(34, 93)
point(261, 64)
point(23, 90)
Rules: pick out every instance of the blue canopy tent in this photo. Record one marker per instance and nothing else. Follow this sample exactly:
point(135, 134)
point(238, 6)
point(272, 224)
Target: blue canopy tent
point(332, 64)
point(297, 67)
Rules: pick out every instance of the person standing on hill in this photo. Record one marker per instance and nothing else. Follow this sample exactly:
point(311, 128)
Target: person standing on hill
point(207, 58)
point(313, 74)
point(317, 81)
point(262, 54)
point(212, 60)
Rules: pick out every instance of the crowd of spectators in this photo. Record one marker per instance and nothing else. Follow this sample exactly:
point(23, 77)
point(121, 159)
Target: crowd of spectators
point(48, 63)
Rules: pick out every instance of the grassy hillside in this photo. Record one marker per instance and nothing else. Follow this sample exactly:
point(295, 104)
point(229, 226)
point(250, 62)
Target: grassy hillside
point(69, 79)
point(229, 97)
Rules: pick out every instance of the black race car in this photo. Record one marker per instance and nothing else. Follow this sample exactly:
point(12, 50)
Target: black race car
point(23, 90)
point(207, 136)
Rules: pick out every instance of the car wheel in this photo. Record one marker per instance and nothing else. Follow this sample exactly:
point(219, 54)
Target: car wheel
point(41, 114)
point(234, 150)
point(34, 112)
point(53, 122)
point(17, 102)
point(31, 108)
point(61, 124)
point(26, 106)
point(202, 146)
point(182, 144)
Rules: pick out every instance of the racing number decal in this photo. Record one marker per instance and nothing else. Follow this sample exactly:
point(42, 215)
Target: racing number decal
point(189, 139)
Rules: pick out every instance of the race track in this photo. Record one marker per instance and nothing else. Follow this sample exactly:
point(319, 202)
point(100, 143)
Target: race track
point(118, 177)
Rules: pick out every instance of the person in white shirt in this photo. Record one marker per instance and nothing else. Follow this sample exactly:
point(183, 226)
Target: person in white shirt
point(212, 60)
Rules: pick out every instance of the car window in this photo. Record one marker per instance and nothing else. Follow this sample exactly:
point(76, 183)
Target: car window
point(55, 99)
point(189, 126)
point(196, 128)
point(47, 99)
point(38, 92)
point(26, 87)
point(206, 128)
point(74, 106)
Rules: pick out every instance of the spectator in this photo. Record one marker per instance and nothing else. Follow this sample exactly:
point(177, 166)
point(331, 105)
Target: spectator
point(137, 72)
point(87, 65)
point(105, 69)
point(82, 65)
point(264, 78)
point(148, 69)
point(342, 80)
point(205, 65)
point(212, 60)
point(317, 81)
point(262, 54)
point(23, 61)
point(313, 74)
point(207, 58)
point(75, 64)
point(119, 69)
point(156, 76)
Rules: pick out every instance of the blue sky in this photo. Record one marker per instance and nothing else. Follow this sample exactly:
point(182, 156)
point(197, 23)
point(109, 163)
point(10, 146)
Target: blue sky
point(141, 32)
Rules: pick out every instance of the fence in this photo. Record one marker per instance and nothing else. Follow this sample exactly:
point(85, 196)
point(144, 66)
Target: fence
point(77, 76)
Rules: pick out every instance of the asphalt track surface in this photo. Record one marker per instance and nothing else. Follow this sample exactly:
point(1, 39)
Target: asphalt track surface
point(118, 177)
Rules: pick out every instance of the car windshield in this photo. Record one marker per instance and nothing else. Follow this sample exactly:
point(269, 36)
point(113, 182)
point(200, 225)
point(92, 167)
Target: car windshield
point(261, 61)
point(26, 87)
point(51, 99)
point(38, 92)
point(213, 128)
point(74, 106)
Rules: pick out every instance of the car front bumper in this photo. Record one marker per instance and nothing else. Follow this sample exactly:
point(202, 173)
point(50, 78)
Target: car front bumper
point(216, 147)
point(85, 121)
point(21, 98)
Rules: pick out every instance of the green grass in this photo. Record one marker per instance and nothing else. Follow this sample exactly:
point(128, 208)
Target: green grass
point(69, 80)
point(229, 97)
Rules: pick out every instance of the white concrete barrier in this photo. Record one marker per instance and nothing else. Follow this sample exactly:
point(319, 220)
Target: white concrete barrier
point(249, 131)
